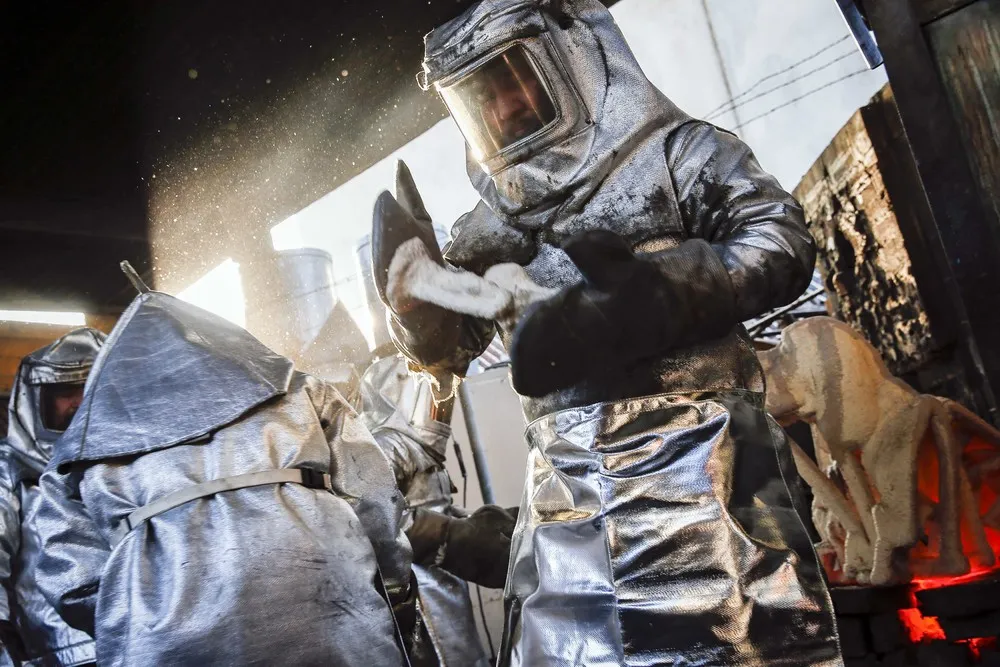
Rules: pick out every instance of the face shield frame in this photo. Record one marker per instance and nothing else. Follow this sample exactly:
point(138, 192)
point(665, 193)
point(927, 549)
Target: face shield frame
point(571, 115)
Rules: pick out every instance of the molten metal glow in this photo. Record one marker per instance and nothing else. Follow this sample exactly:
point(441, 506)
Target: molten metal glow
point(919, 627)
point(927, 628)
point(925, 583)
point(978, 644)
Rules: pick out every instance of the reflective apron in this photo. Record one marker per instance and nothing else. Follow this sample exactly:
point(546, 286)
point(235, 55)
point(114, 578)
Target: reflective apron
point(661, 531)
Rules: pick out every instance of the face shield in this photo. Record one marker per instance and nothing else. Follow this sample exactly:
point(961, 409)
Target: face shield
point(58, 403)
point(502, 101)
point(512, 102)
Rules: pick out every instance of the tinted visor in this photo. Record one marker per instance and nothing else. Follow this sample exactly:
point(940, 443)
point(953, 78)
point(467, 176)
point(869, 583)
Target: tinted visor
point(501, 102)
point(59, 403)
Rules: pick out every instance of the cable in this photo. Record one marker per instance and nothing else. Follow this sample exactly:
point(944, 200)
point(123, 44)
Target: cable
point(761, 325)
point(461, 468)
point(783, 85)
point(800, 97)
point(780, 72)
point(486, 628)
point(479, 593)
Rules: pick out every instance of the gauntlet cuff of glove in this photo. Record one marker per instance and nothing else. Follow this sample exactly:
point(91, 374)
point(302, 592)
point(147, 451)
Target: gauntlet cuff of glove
point(450, 346)
point(428, 535)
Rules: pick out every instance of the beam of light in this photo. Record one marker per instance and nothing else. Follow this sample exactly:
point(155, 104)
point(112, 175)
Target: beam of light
point(287, 235)
point(363, 319)
point(336, 221)
point(43, 317)
point(220, 292)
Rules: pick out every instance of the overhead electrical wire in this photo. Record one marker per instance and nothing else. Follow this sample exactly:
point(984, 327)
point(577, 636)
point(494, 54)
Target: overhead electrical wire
point(725, 109)
point(779, 73)
point(800, 97)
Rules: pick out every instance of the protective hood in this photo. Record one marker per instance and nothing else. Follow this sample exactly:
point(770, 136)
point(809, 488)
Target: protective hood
point(67, 360)
point(395, 400)
point(169, 373)
point(605, 104)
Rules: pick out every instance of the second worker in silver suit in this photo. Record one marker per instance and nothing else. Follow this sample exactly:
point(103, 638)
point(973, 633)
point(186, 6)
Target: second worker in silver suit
point(46, 393)
point(209, 504)
point(449, 547)
point(657, 526)
point(395, 407)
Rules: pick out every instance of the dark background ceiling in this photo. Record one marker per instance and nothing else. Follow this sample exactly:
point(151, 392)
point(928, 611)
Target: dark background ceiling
point(175, 134)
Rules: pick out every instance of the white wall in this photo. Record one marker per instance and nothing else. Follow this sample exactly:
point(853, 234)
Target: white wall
point(759, 37)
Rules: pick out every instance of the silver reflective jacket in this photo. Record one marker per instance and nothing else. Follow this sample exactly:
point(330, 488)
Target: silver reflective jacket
point(273, 574)
point(47, 639)
point(396, 407)
point(657, 525)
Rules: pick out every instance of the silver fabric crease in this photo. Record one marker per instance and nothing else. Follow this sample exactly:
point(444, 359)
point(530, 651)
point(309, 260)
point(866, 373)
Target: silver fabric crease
point(279, 574)
point(396, 408)
point(631, 549)
point(685, 545)
point(47, 639)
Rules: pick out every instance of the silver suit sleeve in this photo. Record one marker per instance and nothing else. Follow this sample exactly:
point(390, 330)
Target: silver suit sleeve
point(755, 226)
point(362, 475)
point(401, 455)
point(73, 550)
point(10, 534)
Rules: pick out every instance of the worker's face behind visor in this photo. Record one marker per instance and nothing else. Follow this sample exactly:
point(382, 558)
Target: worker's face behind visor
point(59, 403)
point(499, 103)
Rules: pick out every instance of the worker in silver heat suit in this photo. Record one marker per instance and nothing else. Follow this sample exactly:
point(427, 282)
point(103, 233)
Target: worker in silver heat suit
point(398, 408)
point(46, 393)
point(656, 526)
point(210, 505)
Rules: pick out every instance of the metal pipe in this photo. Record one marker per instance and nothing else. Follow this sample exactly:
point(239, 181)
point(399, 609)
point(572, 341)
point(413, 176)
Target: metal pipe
point(476, 445)
point(763, 322)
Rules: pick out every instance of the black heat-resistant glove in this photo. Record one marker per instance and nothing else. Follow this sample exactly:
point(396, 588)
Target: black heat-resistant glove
point(475, 548)
point(627, 308)
point(425, 332)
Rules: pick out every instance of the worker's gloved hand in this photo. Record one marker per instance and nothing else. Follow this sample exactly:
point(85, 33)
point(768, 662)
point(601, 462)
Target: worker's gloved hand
point(426, 332)
point(626, 309)
point(475, 548)
point(478, 547)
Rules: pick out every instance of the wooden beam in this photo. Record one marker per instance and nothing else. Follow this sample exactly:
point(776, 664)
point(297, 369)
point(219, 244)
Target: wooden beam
point(963, 240)
point(931, 10)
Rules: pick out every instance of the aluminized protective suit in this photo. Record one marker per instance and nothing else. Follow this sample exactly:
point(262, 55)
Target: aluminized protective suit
point(47, 639)
point(396, 408)
point(279, 573)
point(657, 525)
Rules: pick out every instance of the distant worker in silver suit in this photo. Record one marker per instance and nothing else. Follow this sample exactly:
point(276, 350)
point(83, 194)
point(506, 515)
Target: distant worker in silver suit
point(657, 526)
point(46, 394)
point(210, 505)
